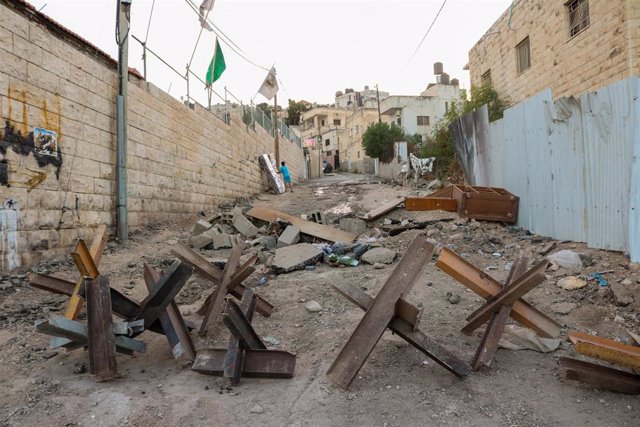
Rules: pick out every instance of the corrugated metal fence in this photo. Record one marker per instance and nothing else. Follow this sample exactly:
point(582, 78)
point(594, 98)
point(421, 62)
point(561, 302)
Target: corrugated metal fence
point(575, 163)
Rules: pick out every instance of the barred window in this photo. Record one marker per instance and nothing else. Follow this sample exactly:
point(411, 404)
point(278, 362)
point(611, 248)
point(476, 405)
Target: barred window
point(578, 11)
point(485, 78)
point(423, 121)
point(523, 53)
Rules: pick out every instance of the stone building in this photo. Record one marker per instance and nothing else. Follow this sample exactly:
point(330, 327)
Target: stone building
point(569, 46)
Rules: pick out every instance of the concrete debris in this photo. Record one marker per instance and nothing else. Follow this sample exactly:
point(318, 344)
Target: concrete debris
point(290, 236)
point(563, 307)
point(623, 292)
point(353, 225)
point(200, 227)
point(379, 256)
point(244, 226)
point(313, 307)
point(201, 241)
point(222, 241)
point(453, 298)
point(378, 266)
point(256, 409)
point(295, 257)
point(571, 282)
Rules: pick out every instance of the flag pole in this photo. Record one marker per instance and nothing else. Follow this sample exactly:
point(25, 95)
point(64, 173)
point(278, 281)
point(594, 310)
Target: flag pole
point(276, 141)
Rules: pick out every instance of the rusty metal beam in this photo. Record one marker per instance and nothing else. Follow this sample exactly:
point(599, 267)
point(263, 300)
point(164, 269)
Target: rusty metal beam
point(101, 339)
point(163, 293)
point(95, 253)
point(238, 276)
point(234, 360)
point(51, 284)
point(257, 363)
point(213, 309)
point(407, 331)
point(485, 286)
point(600, 377)
point(374, 322)
point(172, 322)
point(607, 350)
point(241, 327)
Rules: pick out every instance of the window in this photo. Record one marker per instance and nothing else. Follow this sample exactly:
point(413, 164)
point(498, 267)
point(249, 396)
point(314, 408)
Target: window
point(322, 123)
point(398, 121)
point(329, 153)
point(578, 11)
point(327, 142)
point(523, 55)
point(358, 154)
point(336, 122)
point(423, 120)
point(485, 78)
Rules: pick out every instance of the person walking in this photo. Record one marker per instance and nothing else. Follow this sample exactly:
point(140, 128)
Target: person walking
point(284, 170)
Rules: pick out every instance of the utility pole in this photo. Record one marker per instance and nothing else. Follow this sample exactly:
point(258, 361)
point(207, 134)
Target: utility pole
point(276, 141)
point(123, 24)
point(378, 98)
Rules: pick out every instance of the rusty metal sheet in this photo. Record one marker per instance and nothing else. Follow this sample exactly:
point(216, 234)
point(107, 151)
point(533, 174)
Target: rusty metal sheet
point(377, 318)
point(430, 204)
point(600, 377)
point(491, 337)
point(407, 331)
point(164, 292)
point(607, 350)
point(383, 209)
point(257, 363)
point(507, 296)
point(171, 320)
point(486, 286)
point(320, 231)
point(100, 339)
point(213, 309)
point(95, 253)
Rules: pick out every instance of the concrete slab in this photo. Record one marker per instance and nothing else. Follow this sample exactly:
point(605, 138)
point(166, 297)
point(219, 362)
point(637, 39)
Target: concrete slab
point(290, 236)
point(295, 257)
point(353, 225)
point(201, 241)
point(200, 227)
point(244, 226)
point(378, 255)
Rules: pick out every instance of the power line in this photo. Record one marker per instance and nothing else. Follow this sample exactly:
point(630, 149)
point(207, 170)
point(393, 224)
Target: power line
point(425, 35)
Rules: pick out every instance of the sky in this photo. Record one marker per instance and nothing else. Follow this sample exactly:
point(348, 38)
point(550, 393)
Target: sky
point(317, 46)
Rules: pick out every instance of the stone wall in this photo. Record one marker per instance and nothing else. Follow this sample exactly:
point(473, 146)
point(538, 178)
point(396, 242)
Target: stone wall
point(601, 54)
point(181, 161)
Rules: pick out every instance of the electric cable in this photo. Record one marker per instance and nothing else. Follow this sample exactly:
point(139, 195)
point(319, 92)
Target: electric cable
point(425, 35)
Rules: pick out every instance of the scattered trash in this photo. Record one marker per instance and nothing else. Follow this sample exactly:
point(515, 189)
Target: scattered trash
point(262, 281)
point(453, 298)
point(272, 341)
point(599, 279)
point(570, 283)
point(342, 259)
point(518, 338)
point(567, 259)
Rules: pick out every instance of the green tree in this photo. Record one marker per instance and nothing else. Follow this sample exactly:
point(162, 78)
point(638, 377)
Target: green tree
point(294, 111)
point(267, 109)
point(378, 140)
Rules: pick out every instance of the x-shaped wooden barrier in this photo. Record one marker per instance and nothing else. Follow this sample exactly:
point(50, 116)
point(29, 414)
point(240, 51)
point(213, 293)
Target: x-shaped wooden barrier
point(246, 354)
point(380, 313)
point(87, 261)
point(502, 302)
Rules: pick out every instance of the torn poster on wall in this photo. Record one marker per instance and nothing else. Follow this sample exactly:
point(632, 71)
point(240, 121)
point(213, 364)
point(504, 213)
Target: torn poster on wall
point(43, 143)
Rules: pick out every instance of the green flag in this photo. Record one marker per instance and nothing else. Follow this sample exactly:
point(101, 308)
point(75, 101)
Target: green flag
point(217, 66)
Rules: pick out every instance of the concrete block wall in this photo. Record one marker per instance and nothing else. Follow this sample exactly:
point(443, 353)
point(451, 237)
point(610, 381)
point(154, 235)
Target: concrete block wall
point(181, 160)
point(601, 54)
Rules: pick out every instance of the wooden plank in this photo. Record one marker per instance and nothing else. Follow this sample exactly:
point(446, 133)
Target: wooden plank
point(101, 339)
point(407, 331)
point(234, 359)
point(97, 248)
point(377, 318)
point(219, 294)
point(600, 377)
point(166, 289)
point(172, 322)
point(241, 327)
point(485, 286)
point(404, 309)
point(214, 274)
point(430, 204)
point(491, 337)
point(507, 296)
point(445, 192)
point(320, 231)
point(607, 350)
point(382, 209)
point(257, 363)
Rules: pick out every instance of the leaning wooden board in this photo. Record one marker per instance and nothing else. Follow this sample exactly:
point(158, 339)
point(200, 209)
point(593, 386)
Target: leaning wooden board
point(320, 231)
point(382, 209)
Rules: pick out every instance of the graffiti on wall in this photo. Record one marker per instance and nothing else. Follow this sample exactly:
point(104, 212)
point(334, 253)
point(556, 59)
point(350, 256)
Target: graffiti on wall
point(9, 215)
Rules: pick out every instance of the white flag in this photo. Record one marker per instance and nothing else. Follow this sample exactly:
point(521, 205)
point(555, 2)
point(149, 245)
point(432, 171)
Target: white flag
point(270, 86)
point(205, 7)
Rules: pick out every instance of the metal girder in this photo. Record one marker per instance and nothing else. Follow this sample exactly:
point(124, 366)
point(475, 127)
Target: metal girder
point(600, 377)
point(241, 327)
point(257, 363)
point(407, 331)
point(101, 339)
point(607, 350)
point(485, 286)
point(171, 320)
point(376, 319)
point(430, 204)
point(234, 360)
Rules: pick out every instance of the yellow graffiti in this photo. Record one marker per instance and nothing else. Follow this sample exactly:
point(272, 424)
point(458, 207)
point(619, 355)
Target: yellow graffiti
point(31, 179)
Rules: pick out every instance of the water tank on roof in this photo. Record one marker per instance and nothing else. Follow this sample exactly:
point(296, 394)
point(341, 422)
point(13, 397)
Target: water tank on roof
point(443, 79)
point(455, 82)
point(348, 90)
point(438, 68)
point(366, 88)
point(339, 93)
